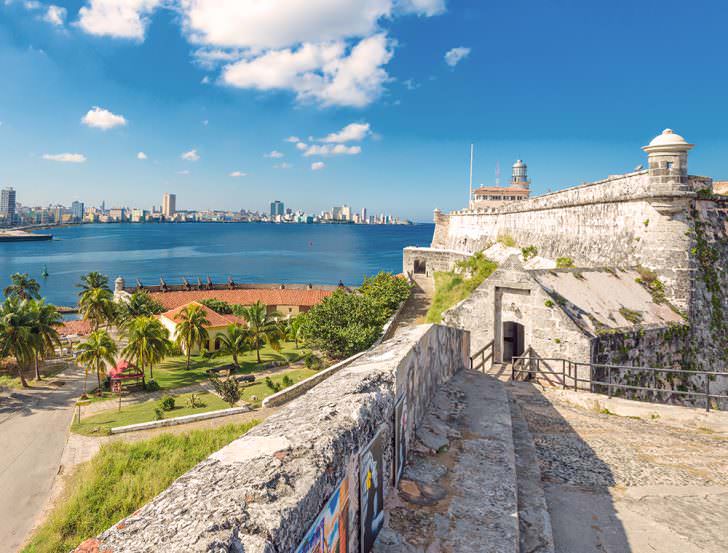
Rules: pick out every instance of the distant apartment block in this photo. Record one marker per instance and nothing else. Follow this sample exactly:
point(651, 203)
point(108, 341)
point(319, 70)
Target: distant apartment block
point(169, 205)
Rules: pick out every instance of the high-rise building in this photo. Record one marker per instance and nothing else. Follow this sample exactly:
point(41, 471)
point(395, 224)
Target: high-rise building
point(345, 213)
point(7, 206)
point(363, 214)
point(77, 209)
point(169, 205)
point(277, 208)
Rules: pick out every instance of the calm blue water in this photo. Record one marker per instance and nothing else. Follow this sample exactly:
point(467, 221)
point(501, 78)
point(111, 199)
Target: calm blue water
point(249, 252)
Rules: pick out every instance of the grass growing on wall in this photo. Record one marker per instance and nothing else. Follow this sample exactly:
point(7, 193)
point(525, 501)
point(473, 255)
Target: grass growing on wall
point(454, 286)
point(120, 479)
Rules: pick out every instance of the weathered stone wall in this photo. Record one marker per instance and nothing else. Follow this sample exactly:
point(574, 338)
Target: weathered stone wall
point(616, 222)
point(432, 260)
point(662, 347)
point(261, 493)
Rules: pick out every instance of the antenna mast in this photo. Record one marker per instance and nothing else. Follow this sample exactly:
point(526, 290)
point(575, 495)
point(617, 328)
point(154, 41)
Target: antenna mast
point(470, 196)
point(497, 173)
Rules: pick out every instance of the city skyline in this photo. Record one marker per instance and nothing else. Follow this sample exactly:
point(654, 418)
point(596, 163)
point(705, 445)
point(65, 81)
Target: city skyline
point(124, 108)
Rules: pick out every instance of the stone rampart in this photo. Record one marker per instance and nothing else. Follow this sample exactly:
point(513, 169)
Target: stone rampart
point(428, 261)
point(263, 491)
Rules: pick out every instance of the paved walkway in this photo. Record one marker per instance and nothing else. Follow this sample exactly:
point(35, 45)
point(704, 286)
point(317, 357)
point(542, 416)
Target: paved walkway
point(33, 426)
point(619, 485)
point(415, 309)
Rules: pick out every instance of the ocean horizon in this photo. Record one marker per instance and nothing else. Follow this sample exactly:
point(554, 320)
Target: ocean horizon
point(247, 252)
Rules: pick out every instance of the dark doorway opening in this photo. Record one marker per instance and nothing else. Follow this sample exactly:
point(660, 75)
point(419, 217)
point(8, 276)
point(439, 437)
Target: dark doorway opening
point(513, 341)
point(420, 266)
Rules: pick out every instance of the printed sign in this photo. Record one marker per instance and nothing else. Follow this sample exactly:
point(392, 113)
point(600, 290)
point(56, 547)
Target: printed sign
point(116, 387)
point(371, 492)
point(330, 531)
point(400, 438)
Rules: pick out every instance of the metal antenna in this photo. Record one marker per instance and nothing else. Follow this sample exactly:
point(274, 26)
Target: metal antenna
point(470, 196)
point(497, 173)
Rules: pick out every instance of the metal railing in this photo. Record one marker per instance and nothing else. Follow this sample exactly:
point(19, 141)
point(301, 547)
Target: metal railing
point(482, 355)
point(604, 378)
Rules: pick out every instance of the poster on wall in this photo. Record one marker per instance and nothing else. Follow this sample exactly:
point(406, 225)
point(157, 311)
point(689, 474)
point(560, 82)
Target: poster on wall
point(330, 531)
point(371, 491)
point(400, 437)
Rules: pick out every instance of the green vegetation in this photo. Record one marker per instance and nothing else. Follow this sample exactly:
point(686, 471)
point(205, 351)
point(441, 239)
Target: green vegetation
point(147, 343)
point(654, 285)
point(22, 287)
point(634, 317)
point(564, 262)
point(346, 323)
point(549, 303)
point(190, 332)
point(453, 287)
point(529, 252)
point(218, 306)
point(140, 304)
point(506, 240)
point(228, 389)
point(120, 479)
point(95, 353)
point(263, 327)
point(235, 343)
point(177, 406)
point(261, 390)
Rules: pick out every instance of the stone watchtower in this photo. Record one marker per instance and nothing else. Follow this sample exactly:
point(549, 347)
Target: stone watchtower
point(667, 156)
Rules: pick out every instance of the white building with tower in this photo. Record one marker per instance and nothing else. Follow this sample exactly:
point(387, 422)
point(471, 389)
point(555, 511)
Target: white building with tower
point(494, 196)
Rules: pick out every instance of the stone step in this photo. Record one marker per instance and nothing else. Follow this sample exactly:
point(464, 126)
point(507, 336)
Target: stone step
point(534, 521)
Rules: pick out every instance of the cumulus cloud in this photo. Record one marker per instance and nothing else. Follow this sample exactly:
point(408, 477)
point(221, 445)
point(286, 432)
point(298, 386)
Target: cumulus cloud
point(141, 155)
point(55, 15)
point(422, 7)
point(237, 174)
point(301, 146)
point(355, 132)
point(456, 55)
point(192, 155)
point(117, 18)
point(293, 139)
point(65, 158)
point(317, 165)
point(275, 154)
point(331, 150)
point(103, 119)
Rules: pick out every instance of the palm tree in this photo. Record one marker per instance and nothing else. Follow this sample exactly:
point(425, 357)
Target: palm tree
point(46, 319)
point(191, 331)
point(148, 342)
point(16, 334)
point(140, 304)
point(262, 326)
point(293, 328)
point(95, 353)
point(97, 305)
point(23, 287)
point(235, 342)
point(93, 280)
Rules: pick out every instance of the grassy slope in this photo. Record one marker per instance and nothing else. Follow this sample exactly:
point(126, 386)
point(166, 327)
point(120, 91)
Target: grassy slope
point(451, 287)
point(120, 479)
point(262, 391)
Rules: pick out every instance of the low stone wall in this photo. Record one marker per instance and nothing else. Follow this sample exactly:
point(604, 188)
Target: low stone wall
point(261, 493)
point(430, 260)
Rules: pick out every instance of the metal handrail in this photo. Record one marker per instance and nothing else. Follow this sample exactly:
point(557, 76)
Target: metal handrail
point(483, 358)
point(598, 386)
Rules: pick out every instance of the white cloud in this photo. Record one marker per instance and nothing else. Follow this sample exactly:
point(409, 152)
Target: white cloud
point(192, 155)
point(205, 80)
point(283, 165)
point(237, 174)
point(103, 119)
point(456, 55)
point(30, 4)
point(275, 154)
point(210, 58)
point(293, 139)
point(331, 150)
point(354, 132)
point(65, 158)
point(141, 155)
point(301, 146)
point(55, 15)
point(422, 7)
point(317, 165)
point(117, 18)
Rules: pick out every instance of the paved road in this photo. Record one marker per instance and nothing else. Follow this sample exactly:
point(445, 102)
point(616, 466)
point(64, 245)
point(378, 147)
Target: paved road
point(33, 430)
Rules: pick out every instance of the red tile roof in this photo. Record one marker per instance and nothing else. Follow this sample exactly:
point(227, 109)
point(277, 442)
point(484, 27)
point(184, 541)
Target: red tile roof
point(275, 297)
point(78, 327)
point(214, 318)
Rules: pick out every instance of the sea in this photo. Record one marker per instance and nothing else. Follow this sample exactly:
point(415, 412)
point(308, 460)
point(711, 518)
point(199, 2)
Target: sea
point(247, 252)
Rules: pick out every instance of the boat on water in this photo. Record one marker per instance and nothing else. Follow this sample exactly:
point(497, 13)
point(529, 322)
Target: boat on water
point(23, 236)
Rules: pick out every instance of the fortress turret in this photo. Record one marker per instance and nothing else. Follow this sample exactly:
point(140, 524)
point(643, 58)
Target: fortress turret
point(667, 156)
point(119, 284)
point(519, 178)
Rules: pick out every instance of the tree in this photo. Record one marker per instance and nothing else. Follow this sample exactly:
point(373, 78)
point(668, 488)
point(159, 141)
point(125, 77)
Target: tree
point(23, 287)
point(16, 334)
point(140, 304)
point(93, 280)
point(235, 342)
point(293, 328)
point(386, 290)
point(191, 331)
point(148, 342)
point(263, 326)
point(97, 305)
point(45, 322)
point(228, 389)
point(95, 353)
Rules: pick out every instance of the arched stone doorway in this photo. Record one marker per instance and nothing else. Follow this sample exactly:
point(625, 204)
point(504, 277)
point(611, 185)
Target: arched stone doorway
point(513, 340)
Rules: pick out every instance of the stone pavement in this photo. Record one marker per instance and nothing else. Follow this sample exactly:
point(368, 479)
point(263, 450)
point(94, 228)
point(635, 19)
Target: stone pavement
point(418, 303)
point(618, 484)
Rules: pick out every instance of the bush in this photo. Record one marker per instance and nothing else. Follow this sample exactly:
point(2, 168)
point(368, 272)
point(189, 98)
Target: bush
point(158, 414)
point(193, 401)
point(287, 381)
point(218, 306)
point(386, 290)
point(273, 385)
point(167, 403)
point(151, 386)
point(529, 252)
point(228, 389)
point(564, 262)
point(507, 240)
point(312, 361)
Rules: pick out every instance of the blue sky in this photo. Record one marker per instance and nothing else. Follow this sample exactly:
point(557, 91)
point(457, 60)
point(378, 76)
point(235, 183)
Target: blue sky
point(384, 114)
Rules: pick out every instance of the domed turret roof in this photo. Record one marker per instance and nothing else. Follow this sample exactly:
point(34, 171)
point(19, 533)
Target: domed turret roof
point(519, 163)
point(668, 141)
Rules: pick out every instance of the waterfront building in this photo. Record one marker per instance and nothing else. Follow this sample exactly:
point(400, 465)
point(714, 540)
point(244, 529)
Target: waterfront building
point(77, 210)
point(277, 208)
point(216, 327)
point(169, 205)
point(363, 217)
point(495, 196)
point(7, 206)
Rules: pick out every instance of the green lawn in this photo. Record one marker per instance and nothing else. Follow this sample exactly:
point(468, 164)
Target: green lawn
point(261, 390)
point(101, 423)
point(452, 287)
point(173, 372)
point(120, 479)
